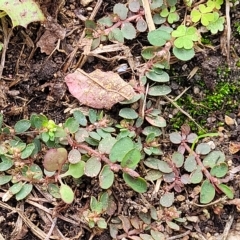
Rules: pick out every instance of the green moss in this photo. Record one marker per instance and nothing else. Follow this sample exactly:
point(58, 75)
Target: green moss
point(222, 98)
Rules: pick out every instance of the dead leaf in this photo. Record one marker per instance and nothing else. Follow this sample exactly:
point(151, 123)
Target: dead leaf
point(229, 121)
point(126, 223)
point(98, 89)
point(234, 147)
point(48, 40)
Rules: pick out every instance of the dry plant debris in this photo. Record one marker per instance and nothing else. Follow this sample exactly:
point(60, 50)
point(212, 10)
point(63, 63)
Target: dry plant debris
point(98, 89)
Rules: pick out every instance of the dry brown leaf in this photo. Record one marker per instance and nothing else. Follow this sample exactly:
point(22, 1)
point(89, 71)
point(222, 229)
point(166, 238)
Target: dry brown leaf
point(98, 89)
point(234, 147)
point(48, 40)
point(229, 121)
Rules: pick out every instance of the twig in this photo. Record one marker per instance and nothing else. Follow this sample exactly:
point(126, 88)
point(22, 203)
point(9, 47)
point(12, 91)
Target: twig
point(228, 226)
point(1, 237)
point(220, 200)
point(179, 236)
point(51, 229)
point(182, 111)
point(6, 34)
point(228, 21)
point(148, 15)
point(35, 230)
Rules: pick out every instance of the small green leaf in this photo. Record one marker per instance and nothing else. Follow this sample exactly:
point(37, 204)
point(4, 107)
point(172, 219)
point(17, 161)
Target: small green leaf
point(158, 37)
point(101, 223)
point(137, 184)
point(159, 90)
point(106, 177)
point(128, 31)
point(121, 10)
point(196, 176)
point(203, 148)
point(105, 21)
point(227, 190)
point(183, 54)
point(106, 144)
point(134, 5)
point(67, 194)
point(120, 149)
point(81, 134)
point(6, 163)
point(80, 118)
point(15, 188)
point(36, 172)
point(167, 199)
point(219, 170)
point(5, 179)
point(190, 163)
point(90, 24)
point(116, 35)
point(148, 52)
point(153, 175)
point(156, 4)
point(217, 24)
point(131, 159)
point(105, 200)
point(75, 170)
point(92, 114)
point(207, 193)
point(141, 25)
point(157, 235)
point(151, 129)
point(28, 151)
point(157, 121)
point(25, 190)
point(161, 76)
point(173, 225)
point(128, 113)
point(214, 158)
point(72, 125)
point(54, 190)
point(22, 126)
point(178, 159)
point(175, 137)
point(74, 156)
point(152, 163)
point(95, 136)
point(92, 167)
point(185, 37)
point(164, 167)
point(95, 205)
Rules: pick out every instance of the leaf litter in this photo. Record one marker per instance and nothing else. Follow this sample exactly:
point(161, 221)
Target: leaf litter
point(98, 89)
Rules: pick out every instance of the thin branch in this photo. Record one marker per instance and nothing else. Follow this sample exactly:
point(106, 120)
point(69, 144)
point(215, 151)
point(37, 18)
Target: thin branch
point(6, 34)
point(115, 167)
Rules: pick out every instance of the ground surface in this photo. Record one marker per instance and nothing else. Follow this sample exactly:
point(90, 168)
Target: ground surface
point(33, 82)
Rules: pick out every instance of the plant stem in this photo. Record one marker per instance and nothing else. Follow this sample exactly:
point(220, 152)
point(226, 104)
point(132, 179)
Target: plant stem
point(212, 179)
point(119, 23)
point(115, 167)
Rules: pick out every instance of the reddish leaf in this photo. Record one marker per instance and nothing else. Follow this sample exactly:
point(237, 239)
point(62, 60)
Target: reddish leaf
point(98, 89)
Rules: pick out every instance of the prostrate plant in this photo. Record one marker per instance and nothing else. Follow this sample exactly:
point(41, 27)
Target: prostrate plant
point(197, 164)
point(117, 26)
point(97, 150)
